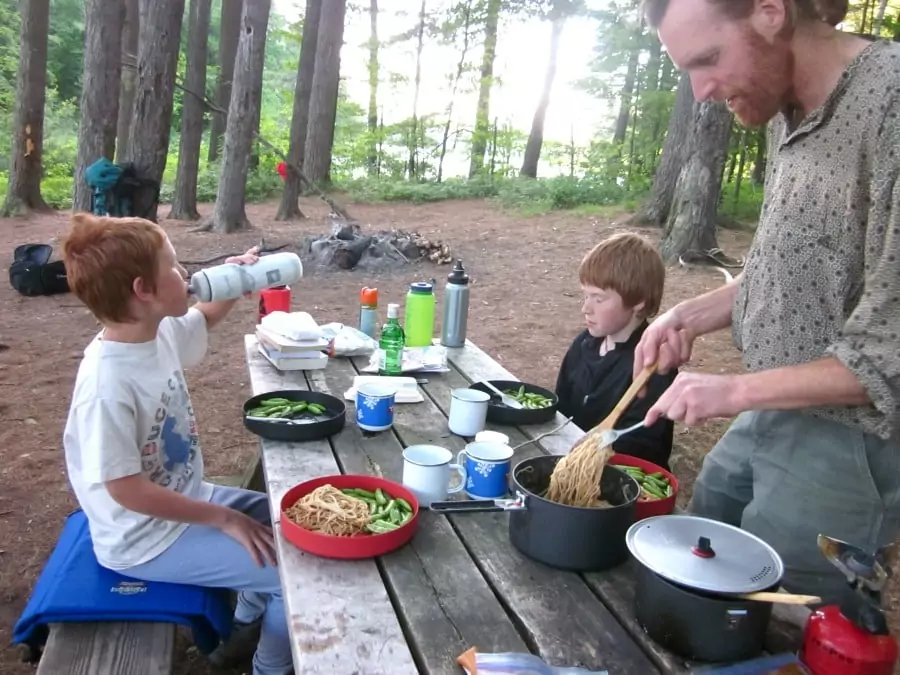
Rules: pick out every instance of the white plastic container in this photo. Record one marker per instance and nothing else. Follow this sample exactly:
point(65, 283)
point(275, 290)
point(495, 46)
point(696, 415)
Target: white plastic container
point(230, 281)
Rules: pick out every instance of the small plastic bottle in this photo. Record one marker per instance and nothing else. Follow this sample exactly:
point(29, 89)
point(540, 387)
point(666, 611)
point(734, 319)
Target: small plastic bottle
point(368, 311)
point(456, 307)
point(230, 280)
point(419, 319)
point(391, 343)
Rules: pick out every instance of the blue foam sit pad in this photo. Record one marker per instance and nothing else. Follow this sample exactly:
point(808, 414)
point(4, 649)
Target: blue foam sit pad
point(74, 587)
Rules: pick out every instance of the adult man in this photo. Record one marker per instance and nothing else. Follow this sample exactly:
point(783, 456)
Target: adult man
point(815, 447)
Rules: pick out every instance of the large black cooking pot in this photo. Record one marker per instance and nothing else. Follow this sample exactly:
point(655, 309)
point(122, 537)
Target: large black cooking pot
point(564, 537)
point(691, 574)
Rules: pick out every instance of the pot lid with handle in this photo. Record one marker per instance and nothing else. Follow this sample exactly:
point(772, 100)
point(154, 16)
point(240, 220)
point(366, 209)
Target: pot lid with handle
point(704, 554)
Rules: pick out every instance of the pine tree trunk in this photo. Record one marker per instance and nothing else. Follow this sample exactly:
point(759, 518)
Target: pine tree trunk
point(99, 110)
point(622, 119)
point(536, 136)
point(482, 111)
point(372, 159)
point(159, 43)
point(323, 100)
point(691, 222)
point(460, 69)
point(229, 25)
point(129, 78)
point(413, 162)
point(288, 209)
point(675, 148)
point(758, 176)
point(246, 94)
point(24, 189)
point(184, 202)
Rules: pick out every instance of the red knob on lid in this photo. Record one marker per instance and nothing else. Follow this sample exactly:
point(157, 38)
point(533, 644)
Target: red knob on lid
point(368, 296)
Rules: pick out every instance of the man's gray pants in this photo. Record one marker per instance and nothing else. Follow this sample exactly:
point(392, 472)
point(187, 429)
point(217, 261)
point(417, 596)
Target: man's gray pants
point(788, 476)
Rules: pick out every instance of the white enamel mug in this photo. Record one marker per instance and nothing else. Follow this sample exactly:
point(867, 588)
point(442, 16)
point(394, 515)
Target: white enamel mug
point(427, 471)
point(488, 436)
point(468, 411)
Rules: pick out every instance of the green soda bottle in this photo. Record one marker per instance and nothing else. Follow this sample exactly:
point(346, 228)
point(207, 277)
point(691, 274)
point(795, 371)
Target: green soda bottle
point(391, 343)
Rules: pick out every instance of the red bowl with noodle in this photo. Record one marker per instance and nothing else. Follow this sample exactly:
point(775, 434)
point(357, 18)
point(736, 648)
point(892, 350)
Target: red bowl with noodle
point(356, 546)
point(644, 508)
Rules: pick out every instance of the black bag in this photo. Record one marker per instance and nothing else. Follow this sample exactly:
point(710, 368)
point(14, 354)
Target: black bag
point(32, 273)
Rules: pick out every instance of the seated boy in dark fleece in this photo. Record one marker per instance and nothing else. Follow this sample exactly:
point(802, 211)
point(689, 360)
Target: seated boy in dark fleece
point(622, 279)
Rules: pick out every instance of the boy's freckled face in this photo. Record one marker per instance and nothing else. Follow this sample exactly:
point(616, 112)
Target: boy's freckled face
point(604, 312)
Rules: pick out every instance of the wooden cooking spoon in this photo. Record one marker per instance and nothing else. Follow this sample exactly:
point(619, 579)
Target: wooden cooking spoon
point(783, 598)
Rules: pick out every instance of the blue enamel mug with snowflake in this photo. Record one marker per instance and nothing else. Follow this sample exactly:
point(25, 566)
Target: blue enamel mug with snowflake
point(375, 406)
point(487, 466)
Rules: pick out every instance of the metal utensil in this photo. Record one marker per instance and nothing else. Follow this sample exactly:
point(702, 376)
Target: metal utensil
point(610, 436)
point(508, 400)
point(283, 420)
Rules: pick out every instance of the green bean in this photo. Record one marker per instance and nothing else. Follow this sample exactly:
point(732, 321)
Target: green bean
point(404, 505)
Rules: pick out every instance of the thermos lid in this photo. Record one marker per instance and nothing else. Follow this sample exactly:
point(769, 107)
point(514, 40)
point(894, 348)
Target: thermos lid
point(458, 274)
point(368, 296)
point(421, 287)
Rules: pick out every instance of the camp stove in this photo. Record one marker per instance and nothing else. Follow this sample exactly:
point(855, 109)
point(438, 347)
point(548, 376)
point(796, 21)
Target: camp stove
point(852, 638)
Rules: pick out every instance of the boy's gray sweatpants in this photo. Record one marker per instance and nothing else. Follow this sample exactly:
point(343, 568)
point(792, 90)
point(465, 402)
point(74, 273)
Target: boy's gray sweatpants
point(788, 476)
point(205, 556)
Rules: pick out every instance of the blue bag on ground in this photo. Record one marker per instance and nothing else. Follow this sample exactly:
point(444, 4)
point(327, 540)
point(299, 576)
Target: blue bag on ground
point(74, 587)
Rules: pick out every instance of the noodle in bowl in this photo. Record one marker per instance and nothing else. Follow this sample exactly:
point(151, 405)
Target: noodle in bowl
point(342, 525)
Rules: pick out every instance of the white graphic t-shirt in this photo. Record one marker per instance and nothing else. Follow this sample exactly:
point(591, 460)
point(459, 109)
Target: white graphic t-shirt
point(131, 414)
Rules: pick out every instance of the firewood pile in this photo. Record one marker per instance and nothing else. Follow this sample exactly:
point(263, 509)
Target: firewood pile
point(347, 248)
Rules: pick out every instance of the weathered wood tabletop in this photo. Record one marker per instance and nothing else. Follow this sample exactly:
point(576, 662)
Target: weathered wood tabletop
point(459, 583)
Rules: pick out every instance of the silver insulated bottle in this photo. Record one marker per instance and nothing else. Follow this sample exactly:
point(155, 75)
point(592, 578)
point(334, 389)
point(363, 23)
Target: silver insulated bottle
point(456, 307)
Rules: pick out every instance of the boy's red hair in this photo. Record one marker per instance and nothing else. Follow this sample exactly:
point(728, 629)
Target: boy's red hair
point(104, 256)
point(630, 265)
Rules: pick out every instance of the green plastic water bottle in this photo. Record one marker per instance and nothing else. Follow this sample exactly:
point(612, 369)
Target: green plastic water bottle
point(419, 320)
point(391, 343)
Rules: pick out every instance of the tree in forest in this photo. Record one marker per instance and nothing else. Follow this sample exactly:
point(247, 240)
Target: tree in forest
point(246, 93)
point(482, 111)
point(184, 202)
point(412, 165)
point(151, 123)
point(288, 209)
point(24, 189)
point(229, 26)
point(462, 22)
point(129, 78)
point(560, 10)
point(693, 216)
point(674, 153)
point(374, 70)
point(99, 110)
point(325, 86)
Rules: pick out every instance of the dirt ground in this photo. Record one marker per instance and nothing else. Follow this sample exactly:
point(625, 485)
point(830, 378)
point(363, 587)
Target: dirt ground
point(524, 312)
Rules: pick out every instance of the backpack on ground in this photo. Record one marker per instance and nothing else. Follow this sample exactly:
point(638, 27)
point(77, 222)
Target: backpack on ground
point(32, 273)
point(114, 187)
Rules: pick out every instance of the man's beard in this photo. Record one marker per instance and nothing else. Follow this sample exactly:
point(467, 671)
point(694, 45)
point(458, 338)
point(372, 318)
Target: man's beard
point(766, 90)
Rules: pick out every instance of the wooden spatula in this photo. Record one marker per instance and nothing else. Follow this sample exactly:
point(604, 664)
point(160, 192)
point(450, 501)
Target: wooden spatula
point(595, 435)
point(783, 598)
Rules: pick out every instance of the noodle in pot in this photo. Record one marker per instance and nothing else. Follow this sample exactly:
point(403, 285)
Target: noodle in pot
point(575, 480)
point(329, 511)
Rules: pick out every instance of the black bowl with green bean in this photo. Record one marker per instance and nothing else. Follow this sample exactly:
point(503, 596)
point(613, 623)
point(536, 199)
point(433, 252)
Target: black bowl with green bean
point(294, 415)
point(538, 404)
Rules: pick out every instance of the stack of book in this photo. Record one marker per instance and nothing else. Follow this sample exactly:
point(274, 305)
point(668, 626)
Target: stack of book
point(303, 350)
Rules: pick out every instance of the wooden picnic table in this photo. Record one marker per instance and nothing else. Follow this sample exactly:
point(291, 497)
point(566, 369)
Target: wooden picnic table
point(459, 583)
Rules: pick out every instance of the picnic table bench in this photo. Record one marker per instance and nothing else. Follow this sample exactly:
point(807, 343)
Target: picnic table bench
point(459, 583)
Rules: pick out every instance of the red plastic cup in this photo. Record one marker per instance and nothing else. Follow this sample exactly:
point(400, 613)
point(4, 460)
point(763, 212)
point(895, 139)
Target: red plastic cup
point(276, 299)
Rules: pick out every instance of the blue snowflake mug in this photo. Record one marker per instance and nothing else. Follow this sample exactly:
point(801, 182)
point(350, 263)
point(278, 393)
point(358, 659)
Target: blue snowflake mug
point(487, 466)
point(375, 406)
